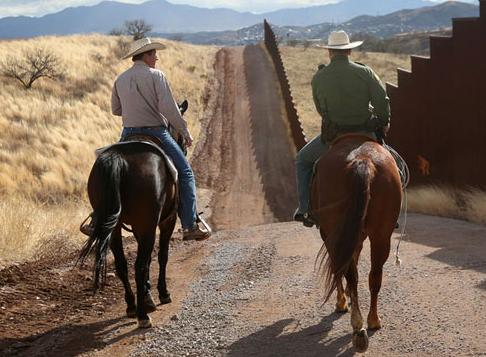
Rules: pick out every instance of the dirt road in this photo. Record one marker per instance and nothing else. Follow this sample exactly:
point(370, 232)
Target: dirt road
point(246, 155)
point(251, 290)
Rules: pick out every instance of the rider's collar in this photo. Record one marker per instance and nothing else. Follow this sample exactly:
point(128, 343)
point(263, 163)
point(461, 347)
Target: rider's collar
point(340, 58)
point(140, 63)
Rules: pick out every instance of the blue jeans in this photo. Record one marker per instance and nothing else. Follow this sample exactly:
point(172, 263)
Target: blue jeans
point(304, 162)
point(187, 183)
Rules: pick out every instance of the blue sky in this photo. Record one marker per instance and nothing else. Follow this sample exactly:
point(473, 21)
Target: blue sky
point(42, 7)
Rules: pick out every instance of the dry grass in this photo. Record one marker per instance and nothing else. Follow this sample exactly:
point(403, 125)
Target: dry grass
point(301, 65)
point(48, 134)
point(31, 230)
point(464, 204)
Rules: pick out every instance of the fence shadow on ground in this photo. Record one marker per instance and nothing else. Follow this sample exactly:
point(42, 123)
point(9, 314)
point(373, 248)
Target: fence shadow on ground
point(275, 340)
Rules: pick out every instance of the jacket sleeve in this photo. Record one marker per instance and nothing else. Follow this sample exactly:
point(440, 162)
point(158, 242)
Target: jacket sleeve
point(167, 105)
point(319, 106)
point(116, 107)
point(379, 99)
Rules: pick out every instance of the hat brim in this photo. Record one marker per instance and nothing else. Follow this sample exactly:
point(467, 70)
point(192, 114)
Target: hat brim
point(146, 48)
point(342, 47)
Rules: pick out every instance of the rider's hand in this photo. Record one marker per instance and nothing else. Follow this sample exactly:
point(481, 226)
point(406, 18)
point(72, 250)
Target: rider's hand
point(386, 129)
point(189, 140)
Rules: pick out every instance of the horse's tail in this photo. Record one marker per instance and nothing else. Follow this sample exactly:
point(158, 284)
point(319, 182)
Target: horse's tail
point(109, 169)
point(336, 255)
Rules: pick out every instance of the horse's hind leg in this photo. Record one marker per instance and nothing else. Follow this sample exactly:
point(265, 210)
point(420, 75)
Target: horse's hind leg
point(142, 268)
point(122, 270)
point(165, 234)
point(341, 303)
point(380, 249)
point(360, 337)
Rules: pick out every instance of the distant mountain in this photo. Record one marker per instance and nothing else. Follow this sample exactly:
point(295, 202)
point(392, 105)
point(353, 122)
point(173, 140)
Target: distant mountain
point(164, 16)
point(429, 18)
point(341, 11)
point(170, 18)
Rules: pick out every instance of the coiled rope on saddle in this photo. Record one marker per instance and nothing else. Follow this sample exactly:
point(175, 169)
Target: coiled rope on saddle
point(404, 172)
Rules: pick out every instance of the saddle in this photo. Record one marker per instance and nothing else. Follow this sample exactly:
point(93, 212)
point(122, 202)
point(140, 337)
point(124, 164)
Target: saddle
point(145, 140)
point(352, 135)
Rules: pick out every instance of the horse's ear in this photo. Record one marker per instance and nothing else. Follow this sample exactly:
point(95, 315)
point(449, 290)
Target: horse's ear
point(183, 106)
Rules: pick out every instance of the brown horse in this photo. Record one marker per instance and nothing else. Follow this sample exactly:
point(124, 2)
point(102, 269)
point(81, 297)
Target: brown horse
point(131, 184)
point(356, 193)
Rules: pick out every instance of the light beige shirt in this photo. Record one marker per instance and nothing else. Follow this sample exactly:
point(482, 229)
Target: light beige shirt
point(142, 97)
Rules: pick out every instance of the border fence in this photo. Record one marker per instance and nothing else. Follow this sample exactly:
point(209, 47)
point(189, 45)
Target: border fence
point(292, 116)
point(439, 108)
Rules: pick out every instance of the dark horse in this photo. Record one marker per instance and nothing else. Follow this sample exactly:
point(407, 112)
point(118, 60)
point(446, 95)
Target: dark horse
point(356, 193)
point(130, 183)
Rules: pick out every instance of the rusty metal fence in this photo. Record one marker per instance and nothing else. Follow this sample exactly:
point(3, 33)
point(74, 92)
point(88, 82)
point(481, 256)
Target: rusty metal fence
point(292, 116)
point(439, 108)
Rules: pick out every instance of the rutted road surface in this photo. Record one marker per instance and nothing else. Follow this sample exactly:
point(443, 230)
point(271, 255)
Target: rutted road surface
point(246, 155)
point(251, 290)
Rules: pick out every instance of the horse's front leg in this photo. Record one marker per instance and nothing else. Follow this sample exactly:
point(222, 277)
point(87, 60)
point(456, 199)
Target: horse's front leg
point(360, 336)
point(122, 270)
point(166, 231)
point(142, 269)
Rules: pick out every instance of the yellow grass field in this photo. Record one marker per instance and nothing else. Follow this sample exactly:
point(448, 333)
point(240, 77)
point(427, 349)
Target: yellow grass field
point(301, 64)
point(48, 134)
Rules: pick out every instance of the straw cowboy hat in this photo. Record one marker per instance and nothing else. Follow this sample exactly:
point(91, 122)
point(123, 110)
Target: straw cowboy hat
point(143, 45)
point(339, 40)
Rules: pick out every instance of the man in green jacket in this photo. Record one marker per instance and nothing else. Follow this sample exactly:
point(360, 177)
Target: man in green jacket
point(350, 99)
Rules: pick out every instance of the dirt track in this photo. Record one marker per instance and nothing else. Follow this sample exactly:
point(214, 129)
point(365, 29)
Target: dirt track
point(251, 291)
point(246, 155)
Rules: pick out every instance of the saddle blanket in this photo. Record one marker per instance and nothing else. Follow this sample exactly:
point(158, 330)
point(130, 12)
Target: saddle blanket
point(168, 160)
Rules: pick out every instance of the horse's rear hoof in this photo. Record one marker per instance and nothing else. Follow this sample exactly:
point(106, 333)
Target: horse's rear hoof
point(165, 299)
point(131, 312)
point(150, 308)
point(360, 340)
point(149, 304)
point(146, 323)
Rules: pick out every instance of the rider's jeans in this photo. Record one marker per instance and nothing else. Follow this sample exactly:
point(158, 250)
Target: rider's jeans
point(187, 184)
point(304, 163)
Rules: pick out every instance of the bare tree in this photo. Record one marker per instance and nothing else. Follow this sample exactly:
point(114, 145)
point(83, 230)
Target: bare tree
point(116, 32)
point(137, 28)
point(34, 64)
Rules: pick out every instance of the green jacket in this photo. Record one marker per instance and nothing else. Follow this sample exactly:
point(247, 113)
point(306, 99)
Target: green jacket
point(343, 92)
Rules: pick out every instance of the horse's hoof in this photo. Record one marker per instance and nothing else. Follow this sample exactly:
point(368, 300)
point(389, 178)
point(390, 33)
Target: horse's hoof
point(374, 324)
point(149, 304)
point(132, 312)
point(360, 340)
point(341, 309)
point(150, 307)
point(165, 299)
point(146, 323)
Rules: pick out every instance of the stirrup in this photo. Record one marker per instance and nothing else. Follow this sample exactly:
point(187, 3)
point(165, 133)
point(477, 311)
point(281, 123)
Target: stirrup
point(87, 228)
point(199, 219)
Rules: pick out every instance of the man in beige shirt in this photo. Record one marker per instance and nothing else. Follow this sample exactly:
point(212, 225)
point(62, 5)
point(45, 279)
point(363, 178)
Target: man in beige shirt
point(142, 97)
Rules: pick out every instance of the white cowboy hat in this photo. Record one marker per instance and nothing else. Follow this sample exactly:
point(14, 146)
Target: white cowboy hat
point(339, 40)
point(143, 45)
